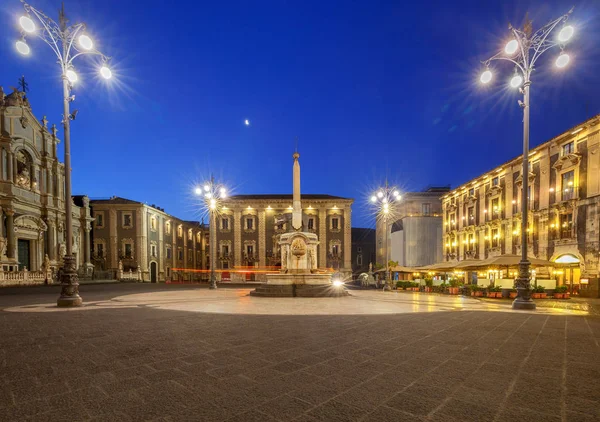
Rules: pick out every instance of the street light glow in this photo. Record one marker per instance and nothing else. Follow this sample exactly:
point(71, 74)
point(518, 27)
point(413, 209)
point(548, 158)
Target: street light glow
point(380, 194)
point(206, 188)
point(516, 81)
point(338, 283)
point(566, 33)
point(486, 77)
point(396, 193)
point(511, 47)
point(213, 204)
point(562, 60)
point(71, 76)
point(223, 191)
point(105, 72)
point(27, 24)
point(198, 191)
point(373, 198)
point(22, 47)
point(85, 42)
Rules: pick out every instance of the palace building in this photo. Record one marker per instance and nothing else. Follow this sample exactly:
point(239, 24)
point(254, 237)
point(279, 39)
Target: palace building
point(32, 197)
point(249, 227)
point(157, 247)
point(482, 218)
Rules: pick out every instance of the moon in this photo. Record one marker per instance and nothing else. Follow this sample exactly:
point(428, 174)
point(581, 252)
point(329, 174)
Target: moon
point(247, 122)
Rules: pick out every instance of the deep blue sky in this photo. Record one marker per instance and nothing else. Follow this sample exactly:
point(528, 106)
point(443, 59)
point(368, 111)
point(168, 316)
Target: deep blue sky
point(370, 89)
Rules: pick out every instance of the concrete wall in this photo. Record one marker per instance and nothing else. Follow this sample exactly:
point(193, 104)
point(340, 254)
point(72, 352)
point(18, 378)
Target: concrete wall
point(418, 243)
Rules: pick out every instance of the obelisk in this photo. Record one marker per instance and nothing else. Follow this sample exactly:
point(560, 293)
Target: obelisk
point(296, 203)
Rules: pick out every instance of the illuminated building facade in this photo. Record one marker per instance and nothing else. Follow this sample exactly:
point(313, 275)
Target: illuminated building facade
point(482, 218)
point(249, 226)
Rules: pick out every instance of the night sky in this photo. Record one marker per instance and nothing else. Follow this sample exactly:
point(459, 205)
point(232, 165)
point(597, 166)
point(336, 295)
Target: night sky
point(371, 89)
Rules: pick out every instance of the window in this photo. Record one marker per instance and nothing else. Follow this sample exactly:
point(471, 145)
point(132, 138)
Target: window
point(472, 192)
point(168, 227)
point(128, 250)
point(100, 250)
point(169, 252)
point(335, 223)
point(225, 223)
point(452, 219)
point(568, 148)
point(153, 223)
point(566, 226)
point(496, 207)
point(359, 260)
point(426, 209)
point(180, 254)
point(495, 181)
point(495, 238)
point(249, 223)
point(180, 230)
point(250, 250)
point(471, 215)
point(153, 250)
point(311, 223)
point(190, 255)
point(471, 241)
point(99, 220)
point(190, 234)
point(567, 182)
point(127, 220)
point(225, 250)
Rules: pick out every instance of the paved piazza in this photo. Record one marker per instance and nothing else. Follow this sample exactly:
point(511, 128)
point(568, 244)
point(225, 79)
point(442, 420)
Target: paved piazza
point(177, 353)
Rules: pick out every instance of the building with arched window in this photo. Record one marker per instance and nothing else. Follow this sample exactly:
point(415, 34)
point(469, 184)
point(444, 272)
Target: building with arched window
point(482, 218)
point(32, 202)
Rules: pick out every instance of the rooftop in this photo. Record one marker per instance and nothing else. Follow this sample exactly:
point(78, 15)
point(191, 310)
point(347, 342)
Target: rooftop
point(286, 196)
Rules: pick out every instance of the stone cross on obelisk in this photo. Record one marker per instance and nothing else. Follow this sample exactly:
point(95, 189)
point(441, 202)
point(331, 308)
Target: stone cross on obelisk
point(296, 204)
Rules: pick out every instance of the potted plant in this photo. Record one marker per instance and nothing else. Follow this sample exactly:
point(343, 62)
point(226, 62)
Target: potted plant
point(453, 289)
point(494, 291)
point(539, 292)
point(560, 292)
point(428, 284)
point(443, 287)
point(476, 290)
point(414, 286)
point(513, 293)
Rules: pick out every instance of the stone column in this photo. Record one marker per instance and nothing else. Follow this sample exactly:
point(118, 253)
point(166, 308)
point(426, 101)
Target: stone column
point(185, 248)
point(347, 239)
point(161, 245)
point(10, 233)
point(14, 169)
point(112, 234)
point(51, 242)
point(9, 165)
point(262, 238)
point(322, 261)
point(237, 237)
point(142, 239)
point(87, 245)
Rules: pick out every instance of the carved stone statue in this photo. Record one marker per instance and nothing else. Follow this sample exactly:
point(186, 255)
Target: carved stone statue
point(46, 263)
point(312, 262)
point(284, 259)
point(62, 251)
point(370, 267)
point(120, 265)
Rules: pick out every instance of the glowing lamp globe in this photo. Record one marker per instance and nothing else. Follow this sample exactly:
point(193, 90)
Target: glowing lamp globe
point(511, 47)
point(396, 193)
point(486, 77)
point(516, 81)
point(562, 60)
point(27, 24)
point(71, 76)
point(85, 42)
point(380, 194)
point(22, 47)
point(373, 198)
point(105, 72)
point(206, 188)
point(566, 33)
point(198, 191)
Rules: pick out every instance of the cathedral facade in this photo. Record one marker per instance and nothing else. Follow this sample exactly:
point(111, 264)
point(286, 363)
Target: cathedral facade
point(32, 196)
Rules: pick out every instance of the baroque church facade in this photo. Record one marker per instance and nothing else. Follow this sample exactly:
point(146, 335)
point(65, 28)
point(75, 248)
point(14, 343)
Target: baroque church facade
point(32, 195)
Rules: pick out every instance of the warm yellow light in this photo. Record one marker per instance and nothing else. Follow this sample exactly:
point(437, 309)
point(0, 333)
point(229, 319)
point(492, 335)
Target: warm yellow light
point(27, 24)
point(514, 202)
point(484, 211)
point(570, 183)
point(85, 42)
point(562, 60)
point(22, 47)
point(516, 81)
point(208, 195)
point(486, 77)
point(105, 72)
point(551, 189)
point(213, 204)
point(511, 47)
point(566, 33)
point(71, 76)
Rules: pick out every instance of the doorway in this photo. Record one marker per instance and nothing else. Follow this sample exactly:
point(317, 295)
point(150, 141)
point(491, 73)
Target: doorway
point(24, 258)
point(153, 271)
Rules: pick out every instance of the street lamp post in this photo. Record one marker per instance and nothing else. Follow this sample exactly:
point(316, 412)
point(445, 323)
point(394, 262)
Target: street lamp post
point(523, 50)
point(68, 42)
point(385, 200)
point(212, 196)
